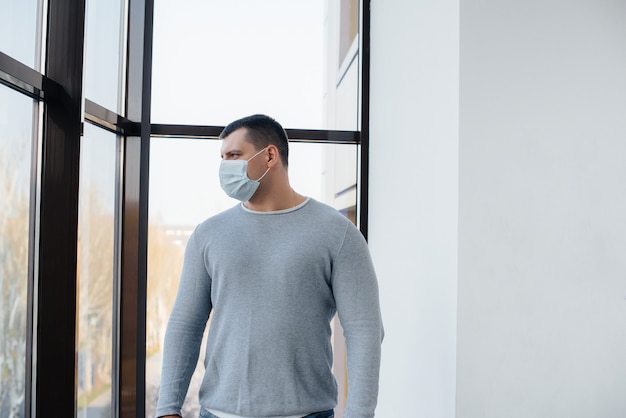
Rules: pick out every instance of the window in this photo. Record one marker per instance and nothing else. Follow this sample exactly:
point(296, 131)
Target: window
point(184, 191)
point(16, 135)
point(233, 58)
point(79, 156)
point(96, 272)
point(20, 31)
point(349, 27)
point(103, 53)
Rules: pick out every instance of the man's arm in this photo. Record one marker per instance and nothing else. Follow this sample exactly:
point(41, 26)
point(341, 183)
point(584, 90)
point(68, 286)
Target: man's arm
point(356, 293)
point(185, 328)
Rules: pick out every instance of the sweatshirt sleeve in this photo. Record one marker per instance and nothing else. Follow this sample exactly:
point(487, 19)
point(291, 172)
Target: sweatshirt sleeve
point(184, 330)
point(355, 288)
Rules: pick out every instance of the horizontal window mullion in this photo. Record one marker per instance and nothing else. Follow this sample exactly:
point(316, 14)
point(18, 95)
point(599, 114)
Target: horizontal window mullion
point(295, 135)
point(20, 77)
point(109, 120)
point(324, 135)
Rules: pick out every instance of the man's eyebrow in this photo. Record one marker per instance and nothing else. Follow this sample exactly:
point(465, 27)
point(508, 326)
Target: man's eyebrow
point(232, 151)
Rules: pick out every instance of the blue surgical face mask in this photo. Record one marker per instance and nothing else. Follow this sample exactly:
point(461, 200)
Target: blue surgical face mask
point(235, 181)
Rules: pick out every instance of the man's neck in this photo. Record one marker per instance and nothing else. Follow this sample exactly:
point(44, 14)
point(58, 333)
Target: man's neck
point(285, 199)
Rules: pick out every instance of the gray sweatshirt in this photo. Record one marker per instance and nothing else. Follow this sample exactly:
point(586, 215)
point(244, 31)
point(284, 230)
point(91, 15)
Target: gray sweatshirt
point(272, 282)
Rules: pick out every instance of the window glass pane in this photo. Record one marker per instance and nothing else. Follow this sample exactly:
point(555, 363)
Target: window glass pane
point(96, 275)
point(348, 27)
point(216, 61)
point(342, 104)
point(18, 30)
point(16, 133)
point(103, 52)
point(184, 191)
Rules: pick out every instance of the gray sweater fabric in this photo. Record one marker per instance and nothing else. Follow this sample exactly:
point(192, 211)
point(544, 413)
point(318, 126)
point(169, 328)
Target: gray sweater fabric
point(272, 282)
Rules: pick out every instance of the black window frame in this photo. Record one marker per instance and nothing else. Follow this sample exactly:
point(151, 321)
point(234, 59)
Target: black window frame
point(51, 337)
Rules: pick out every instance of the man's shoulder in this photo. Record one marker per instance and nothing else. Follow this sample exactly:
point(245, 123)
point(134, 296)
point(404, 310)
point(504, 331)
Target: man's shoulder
point(327, 214)
point(219, 219)
point(322, 207)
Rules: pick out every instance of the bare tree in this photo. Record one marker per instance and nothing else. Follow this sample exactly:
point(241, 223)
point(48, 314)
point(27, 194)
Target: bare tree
point(13, 284)
point(165, 257)
point(95, 289)
point(166, 246)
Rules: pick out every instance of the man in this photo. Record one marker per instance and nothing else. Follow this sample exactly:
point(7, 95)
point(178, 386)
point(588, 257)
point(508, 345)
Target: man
point(272, 272)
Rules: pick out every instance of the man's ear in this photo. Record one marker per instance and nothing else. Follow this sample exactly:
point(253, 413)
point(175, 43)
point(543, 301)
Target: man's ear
point(273, 155)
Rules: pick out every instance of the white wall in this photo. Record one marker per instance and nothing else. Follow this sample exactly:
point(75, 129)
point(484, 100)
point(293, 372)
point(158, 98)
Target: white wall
point(413, 201)
point(539, 147)
point(542, 244)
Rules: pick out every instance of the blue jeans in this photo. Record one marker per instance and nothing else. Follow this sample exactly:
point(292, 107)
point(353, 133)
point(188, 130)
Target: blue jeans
point(324, 414)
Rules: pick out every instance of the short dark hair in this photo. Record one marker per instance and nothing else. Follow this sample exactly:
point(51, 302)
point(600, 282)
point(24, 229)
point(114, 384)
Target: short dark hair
point(261, 131)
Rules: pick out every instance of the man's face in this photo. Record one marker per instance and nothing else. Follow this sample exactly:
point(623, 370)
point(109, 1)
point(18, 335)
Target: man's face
point(237, 147)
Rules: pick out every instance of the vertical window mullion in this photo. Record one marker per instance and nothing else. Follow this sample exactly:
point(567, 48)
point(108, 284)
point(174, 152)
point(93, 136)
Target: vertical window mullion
point(134, 214)
point(54, 369)
point(364, 117)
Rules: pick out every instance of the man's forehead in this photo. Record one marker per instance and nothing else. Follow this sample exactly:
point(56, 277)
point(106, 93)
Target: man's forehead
point(236, 139)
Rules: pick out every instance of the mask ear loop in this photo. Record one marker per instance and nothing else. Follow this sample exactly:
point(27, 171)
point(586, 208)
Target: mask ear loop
point(257, 153)
point(268, 169)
